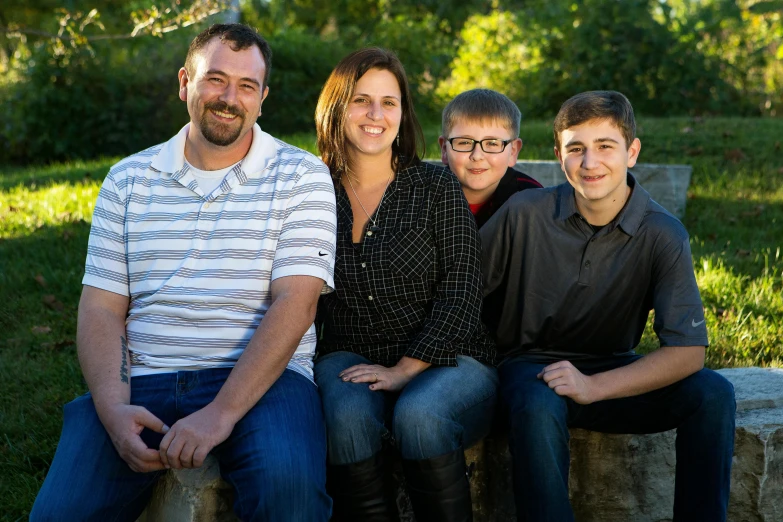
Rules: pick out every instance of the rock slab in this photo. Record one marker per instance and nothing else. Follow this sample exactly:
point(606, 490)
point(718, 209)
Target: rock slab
point(613, 477)
point(667, 184)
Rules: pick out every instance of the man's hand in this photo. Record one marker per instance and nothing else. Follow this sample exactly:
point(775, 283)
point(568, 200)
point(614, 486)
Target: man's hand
point(567, 381)
point(191, 438)
point(124, 424)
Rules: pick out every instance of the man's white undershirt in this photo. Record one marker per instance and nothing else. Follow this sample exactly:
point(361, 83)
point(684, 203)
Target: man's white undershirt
point(209, 180)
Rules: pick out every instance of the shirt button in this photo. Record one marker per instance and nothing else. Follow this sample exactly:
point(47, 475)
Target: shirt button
point(364, 265)
point(369, 232)
point(587, 264)
point(369, 298)
point(206, 205)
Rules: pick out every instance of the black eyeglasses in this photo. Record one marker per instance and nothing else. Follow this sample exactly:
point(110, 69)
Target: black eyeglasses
point(489, 145)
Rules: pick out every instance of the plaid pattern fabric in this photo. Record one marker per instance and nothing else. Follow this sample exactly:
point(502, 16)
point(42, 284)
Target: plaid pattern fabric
point(413, 286)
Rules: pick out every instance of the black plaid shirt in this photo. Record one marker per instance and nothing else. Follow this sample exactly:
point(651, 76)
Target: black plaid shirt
point(413, 286)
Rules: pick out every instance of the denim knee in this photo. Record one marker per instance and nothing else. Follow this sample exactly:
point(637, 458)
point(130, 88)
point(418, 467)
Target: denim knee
point(423, 432)
point(536, 410)
point(710, 395)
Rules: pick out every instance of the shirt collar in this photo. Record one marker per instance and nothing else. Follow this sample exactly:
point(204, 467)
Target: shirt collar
point(629, 218)
point(263, 149)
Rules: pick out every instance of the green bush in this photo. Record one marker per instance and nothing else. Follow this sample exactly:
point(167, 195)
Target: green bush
point(301, 63)
point(112, 101)
point(547, 53)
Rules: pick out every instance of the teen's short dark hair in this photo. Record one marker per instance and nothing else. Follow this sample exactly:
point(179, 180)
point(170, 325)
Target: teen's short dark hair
point(481, 106)
point(238, 36)
point(597, 105)
point(333, 103)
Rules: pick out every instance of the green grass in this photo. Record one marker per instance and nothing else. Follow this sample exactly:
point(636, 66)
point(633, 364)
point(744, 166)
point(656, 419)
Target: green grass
point(734, 215)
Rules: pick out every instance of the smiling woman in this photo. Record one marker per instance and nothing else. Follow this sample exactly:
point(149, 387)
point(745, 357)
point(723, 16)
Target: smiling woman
point(401, 332)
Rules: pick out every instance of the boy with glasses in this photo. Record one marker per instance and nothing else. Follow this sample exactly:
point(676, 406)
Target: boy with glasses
point(480, 144)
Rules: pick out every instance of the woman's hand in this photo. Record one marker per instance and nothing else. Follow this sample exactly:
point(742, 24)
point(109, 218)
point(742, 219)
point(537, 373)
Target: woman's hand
point(383, 378)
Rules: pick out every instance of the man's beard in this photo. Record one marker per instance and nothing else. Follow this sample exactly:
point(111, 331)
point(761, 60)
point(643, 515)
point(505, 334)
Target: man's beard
point(217, 133)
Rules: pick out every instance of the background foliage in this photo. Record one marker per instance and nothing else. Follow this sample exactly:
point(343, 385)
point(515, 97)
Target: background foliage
point(74, 84)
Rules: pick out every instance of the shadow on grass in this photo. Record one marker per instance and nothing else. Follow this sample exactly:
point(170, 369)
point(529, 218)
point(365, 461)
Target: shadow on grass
point(57, 173)
point(740, 233)
point(40, 284)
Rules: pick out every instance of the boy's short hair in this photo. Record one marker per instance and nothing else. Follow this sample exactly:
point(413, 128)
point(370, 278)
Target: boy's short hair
point(596, 105)
point(484, 106)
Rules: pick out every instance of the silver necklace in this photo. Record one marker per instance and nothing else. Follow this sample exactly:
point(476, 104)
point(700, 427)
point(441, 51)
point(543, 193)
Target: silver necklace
point(374, 227)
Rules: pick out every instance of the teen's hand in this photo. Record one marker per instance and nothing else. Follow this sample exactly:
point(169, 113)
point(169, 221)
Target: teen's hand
point(124, 424)
point(383, 378)
point(567, 381)
point(191, 438)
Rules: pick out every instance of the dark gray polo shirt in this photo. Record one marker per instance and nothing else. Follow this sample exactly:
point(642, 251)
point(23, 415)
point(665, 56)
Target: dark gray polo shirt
point(570, 292)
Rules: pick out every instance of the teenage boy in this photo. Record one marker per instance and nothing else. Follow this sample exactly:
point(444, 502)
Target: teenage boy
point(583, 264)
point(480, 144)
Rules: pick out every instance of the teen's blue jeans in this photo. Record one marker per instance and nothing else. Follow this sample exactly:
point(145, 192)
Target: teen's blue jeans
point(275, 458)
point(441, 410)
point(701, 407)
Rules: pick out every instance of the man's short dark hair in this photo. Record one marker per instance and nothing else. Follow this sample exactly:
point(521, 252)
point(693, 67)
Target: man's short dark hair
point(238, 36)
point(481, 106)
point(596, 105)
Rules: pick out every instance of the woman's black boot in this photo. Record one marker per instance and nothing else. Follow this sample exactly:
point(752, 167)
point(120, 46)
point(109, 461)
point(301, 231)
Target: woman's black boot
point(360, 492)
point(439, 489)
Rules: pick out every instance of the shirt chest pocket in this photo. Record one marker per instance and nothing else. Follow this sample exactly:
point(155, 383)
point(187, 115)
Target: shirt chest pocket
point(411, 253)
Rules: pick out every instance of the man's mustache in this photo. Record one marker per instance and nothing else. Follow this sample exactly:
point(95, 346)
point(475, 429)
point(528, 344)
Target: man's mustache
point(221, 106)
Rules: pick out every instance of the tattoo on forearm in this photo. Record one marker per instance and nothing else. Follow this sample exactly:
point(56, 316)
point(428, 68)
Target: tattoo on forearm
point(124, 363)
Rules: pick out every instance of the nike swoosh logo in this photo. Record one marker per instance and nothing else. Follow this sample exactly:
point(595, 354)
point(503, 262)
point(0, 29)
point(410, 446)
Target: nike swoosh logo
point(695, 324)
point(322, 254)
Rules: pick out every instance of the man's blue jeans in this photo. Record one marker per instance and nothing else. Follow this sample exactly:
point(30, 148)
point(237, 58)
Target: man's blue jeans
point(275, 458)
point(701, 407)
point(441, 410)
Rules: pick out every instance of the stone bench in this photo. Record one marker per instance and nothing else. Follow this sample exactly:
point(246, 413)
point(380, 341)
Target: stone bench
point(613, 477)
point(667, 184)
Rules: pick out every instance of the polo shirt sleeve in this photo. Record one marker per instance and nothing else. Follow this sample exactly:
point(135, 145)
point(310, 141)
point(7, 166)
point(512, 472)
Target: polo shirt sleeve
point(309, 232)
point(455, 314)
point(107, 266)
point(679, 313)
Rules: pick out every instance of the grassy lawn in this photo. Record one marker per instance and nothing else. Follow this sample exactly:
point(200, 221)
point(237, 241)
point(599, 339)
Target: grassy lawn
point(734, 215)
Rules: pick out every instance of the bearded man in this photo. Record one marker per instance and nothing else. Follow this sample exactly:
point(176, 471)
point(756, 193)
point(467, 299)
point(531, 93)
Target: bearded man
point(206, 258)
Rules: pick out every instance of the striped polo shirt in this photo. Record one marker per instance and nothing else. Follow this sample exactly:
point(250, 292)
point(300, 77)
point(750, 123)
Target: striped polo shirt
point(198, 267)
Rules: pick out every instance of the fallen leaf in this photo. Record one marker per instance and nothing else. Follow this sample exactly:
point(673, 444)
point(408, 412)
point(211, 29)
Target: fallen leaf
point(40, 330)
point(40, 280)
point(691, 195)
point(734, 155)
point(686, 130)
point(51, 302)
point(743, 253)
point(12, 208)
